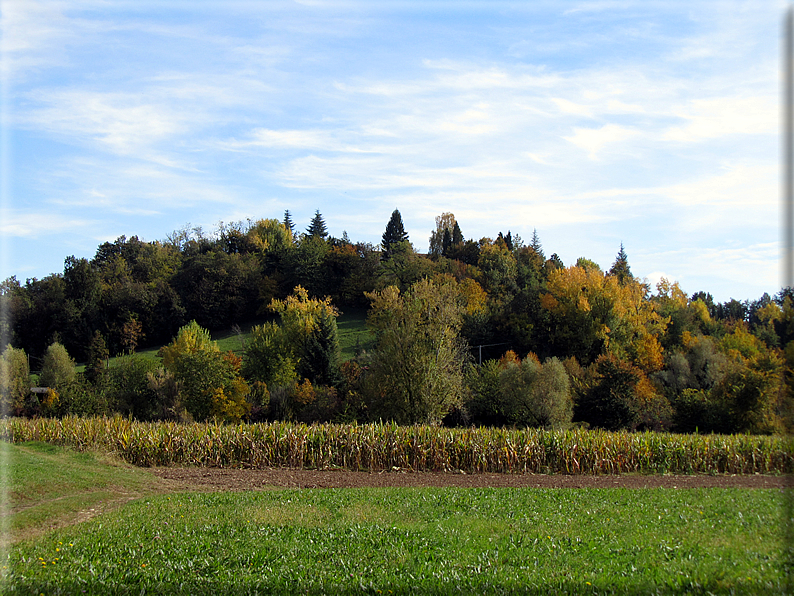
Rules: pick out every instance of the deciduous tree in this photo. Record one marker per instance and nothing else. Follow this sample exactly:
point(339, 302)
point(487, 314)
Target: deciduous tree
point(14, 381)
point(57, 369)
point(416, 373)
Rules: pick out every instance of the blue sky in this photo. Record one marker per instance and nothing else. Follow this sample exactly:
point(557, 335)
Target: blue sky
point(654, 124)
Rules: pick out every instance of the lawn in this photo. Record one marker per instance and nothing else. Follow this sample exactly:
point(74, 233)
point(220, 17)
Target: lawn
point(400, 541)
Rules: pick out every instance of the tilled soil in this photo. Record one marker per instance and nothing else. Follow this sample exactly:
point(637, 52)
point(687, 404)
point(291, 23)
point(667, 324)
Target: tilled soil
point(230, 479)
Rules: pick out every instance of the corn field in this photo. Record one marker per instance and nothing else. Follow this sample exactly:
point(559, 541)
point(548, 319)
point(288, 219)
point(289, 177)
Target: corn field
point(374, 447)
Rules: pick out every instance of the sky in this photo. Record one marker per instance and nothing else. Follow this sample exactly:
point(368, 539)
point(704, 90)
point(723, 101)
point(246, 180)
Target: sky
point(593, 123)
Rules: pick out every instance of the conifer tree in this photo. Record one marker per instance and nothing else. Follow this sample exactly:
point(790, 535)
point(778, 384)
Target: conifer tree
point(457, 235)
point(97, 356)
point(288, 222)
point(620, 268)
point(317, 227)
point(320, 362)
point(395, 233)
point(536, 245)
point(446, 242)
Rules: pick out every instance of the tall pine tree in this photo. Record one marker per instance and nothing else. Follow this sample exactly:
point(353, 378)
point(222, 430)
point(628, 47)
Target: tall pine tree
point(320, 362)
point(457, 235)
point(317, 227)
point(395, 233)
point(288, 222)
point(620, 268)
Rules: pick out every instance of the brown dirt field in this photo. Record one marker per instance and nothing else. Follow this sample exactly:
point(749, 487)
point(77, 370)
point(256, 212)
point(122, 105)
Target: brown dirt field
point(227, 479)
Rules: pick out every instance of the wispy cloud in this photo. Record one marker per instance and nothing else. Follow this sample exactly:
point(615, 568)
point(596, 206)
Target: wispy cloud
point(38, 225)
point(724, 116)
point(593, 140)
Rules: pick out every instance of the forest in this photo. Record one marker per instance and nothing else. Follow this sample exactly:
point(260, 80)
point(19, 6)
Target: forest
point(487, 332)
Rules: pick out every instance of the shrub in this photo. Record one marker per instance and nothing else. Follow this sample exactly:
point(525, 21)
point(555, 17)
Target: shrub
point(129, 387)
point(57, 369)
point(14, 381)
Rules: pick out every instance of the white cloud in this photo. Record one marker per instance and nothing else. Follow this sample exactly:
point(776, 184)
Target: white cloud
point(723, 116)
point(568, 107)
point(31, 31)
point(754, 186)
point(37, 225)
point(118, 121)
point(593, 140)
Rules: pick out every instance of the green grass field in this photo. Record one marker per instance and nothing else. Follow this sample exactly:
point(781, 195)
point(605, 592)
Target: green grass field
point(381, 541)
point(353, 337)
point(48, 486)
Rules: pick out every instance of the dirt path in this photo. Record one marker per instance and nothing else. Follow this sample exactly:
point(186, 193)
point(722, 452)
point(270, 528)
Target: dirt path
point(220, 479)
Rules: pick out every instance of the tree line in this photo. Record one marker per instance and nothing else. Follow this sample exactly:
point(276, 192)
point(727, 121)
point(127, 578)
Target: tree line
point(486, 331)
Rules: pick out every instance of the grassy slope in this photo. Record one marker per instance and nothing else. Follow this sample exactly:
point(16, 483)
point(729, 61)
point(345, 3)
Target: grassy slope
point(399, 540)
point(48, 486)
point(353, 336)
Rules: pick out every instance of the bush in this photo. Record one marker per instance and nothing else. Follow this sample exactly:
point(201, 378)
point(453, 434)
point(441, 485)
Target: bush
point(535, 395)
point(482, 404)
point(14, 381)
point(129, 387)
point(57, 370)
point(268, 357)
point(622, 397)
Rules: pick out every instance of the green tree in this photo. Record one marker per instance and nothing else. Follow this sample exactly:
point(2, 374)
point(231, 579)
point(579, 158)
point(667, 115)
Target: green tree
point(211, 383)
point(317, 227)
point(321, 355)
point(416, 373)
point(288, 222)
point(269, 358)
point(395, 233)
point(129, 389)
point(57, 369)
point(305, 263)
point(404, 267)
point(588, 265)
point(620, 268)
point(457, 235)
point(14, 381)
point(536, 245)
point(444, 223)
point(482, 396)
point(498, 269)
point(97, 358)
point(535, 395)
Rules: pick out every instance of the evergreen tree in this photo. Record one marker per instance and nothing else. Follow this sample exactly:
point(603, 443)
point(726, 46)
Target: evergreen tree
point(97, 355)
point(457, 235)
point(288, 222)
point(446, 242)
point(620, 268)
point(395, 233)
point(317, 227)
point(536, 245)
point(320, 362)
point(554, 262)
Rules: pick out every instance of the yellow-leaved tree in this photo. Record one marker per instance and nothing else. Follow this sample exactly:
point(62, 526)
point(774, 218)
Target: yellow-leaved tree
point(211, 385)
point(593, 314)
